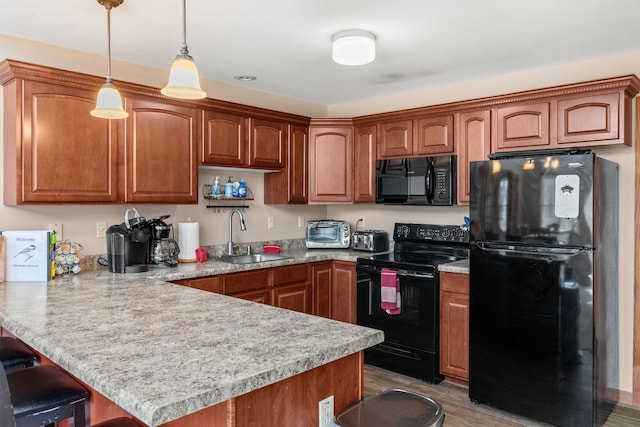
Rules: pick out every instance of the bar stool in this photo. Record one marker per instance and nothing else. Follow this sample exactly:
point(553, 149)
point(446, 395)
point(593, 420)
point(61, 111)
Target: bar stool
point(42, 395)
point(15, 355)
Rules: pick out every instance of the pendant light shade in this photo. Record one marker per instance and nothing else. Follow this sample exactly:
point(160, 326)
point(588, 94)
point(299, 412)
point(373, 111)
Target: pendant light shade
point(109, 102)
point(184, 81)
point(354, 47)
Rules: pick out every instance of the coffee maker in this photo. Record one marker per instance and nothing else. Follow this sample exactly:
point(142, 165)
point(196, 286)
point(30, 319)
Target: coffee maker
point(128, 244)
point(164, 250)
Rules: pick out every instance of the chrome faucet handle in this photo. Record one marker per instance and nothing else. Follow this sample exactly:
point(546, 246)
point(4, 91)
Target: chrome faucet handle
point(248, 249)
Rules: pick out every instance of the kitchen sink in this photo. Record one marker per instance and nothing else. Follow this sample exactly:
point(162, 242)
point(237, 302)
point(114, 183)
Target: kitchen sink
point(250, 258)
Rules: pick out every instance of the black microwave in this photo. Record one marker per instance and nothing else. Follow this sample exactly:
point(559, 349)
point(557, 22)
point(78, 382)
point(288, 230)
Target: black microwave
point(417, 181)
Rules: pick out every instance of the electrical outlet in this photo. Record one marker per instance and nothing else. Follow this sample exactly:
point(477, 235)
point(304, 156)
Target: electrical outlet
point(271, 222)
point(58, 229)
point(325, 412)
point(101, 229)
point(300, 221)
point(362, 223)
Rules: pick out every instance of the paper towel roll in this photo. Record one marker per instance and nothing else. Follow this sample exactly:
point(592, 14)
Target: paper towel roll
point(188, 240)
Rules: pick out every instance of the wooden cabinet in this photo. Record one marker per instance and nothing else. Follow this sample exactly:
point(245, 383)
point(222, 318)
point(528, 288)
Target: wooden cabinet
point(395, 139)
point(474, 144)
point(268, 141)
point(364, 153)
point(321, 273)
point(292, 288)
point(580, 115)
point(160, 146)
point(51, 141)
point(245, 281)
point(330, 161)
point(211, 284)
point(454, 326)
point(594, 117)
point(290, 185)
point(224, 139)
point(434, 135)
point(334, 290)
point(523, 126)
point(430, 135)
point(236, 140)
point(343, 291)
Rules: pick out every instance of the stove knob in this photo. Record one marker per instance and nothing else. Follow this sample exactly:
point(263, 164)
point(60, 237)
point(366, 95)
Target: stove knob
point(446, 232)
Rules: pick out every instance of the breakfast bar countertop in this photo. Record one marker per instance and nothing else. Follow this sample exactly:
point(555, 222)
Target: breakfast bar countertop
point(162, 351)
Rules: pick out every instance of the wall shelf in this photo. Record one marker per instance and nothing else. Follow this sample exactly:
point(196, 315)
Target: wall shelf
point(221, 203)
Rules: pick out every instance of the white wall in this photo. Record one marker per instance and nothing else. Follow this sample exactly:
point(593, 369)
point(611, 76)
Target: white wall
point(79, 222)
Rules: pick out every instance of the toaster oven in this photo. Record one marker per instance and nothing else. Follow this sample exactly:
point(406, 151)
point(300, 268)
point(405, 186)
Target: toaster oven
point(328, 233)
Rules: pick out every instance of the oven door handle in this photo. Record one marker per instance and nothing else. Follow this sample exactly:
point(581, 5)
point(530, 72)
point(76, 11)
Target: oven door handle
point(399, 272)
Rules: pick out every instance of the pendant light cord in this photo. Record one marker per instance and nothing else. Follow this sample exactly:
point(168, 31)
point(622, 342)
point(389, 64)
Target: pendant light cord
point(108, 44)
point(184, 50)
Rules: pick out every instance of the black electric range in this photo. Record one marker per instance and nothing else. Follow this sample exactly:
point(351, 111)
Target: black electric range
point(411, 334)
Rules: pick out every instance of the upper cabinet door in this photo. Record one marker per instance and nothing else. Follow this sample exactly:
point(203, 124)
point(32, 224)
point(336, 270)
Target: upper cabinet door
point(224, 139)
point(593, 117)
point(435, 135)
point(474, 144)
point(523, 126)
point(67, 156)
point(298, 164)
point(364, 165)
point(290, 185)
point(396, 138)
point(330, 164)
point(160, 152)
point(268, 143)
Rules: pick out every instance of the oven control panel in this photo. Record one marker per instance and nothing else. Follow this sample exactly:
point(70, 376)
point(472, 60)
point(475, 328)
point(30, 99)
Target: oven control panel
point(431, 232)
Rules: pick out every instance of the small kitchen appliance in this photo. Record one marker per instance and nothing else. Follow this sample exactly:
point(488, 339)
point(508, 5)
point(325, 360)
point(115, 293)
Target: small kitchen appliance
point(411, 333)
point(164, 249)
point(328, 233)
point(417, 181)
point(128, 244)
point(370, 241)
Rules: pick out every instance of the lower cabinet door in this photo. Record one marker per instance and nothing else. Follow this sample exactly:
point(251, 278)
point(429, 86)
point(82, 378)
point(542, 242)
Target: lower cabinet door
point(295, 297)
point(262, 297)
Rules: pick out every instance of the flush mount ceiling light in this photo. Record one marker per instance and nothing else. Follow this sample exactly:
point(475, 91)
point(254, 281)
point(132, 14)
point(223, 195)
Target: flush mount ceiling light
point(184, 81)
point(354, 47)
point(109, 102)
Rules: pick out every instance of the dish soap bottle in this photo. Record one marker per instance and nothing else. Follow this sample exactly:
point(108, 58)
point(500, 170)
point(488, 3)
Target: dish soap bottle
point(228, 188)
point(242, 190)
point(216, 188)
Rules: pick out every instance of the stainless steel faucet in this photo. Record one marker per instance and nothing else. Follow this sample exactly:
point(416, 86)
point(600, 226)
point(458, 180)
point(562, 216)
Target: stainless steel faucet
point(243, 227)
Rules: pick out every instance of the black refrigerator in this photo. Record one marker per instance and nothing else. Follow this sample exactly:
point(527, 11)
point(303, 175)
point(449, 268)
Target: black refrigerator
point(543, 328)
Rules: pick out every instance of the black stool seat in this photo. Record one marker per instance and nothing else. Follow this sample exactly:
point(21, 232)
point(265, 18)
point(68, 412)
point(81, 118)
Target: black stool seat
point(15, 354)
point(43, 395)
point(118, 422)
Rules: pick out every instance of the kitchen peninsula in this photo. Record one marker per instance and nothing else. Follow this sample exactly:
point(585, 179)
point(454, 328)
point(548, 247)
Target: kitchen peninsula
point(177, 356)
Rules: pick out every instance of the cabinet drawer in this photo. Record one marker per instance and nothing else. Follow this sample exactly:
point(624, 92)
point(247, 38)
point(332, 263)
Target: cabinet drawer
point(211, 284)
point(290, 274)
point(240, 282)
point(454, 282)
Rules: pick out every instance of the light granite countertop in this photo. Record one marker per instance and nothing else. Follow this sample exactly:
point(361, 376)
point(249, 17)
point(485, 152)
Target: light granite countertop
point(162, 351)
point(461, 266)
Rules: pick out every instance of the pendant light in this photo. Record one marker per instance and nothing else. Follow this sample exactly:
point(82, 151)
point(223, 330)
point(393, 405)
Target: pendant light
point(109, 102)
point(184, 81)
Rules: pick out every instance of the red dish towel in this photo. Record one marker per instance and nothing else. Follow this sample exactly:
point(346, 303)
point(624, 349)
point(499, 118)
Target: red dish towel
point(390, 292)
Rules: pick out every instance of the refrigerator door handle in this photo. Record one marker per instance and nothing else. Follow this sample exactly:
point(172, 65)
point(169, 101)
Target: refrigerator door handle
point(529, 250)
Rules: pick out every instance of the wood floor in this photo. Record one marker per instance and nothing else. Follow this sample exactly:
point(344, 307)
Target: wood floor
point(461, 412)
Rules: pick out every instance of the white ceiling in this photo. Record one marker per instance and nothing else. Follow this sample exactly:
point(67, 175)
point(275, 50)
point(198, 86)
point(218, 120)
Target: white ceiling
point(287, 43)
